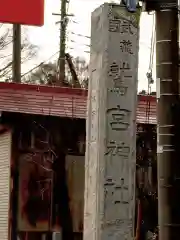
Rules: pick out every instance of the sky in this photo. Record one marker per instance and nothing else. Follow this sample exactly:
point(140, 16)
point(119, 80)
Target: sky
point(47, 37)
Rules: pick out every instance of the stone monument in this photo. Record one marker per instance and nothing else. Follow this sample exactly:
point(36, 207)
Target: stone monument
point(111, 125)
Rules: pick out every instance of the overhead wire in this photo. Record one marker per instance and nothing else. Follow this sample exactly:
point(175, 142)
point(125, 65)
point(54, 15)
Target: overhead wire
point(43, 62)
point(149, 73)
point(80, 35)
point(152, 45)
point(82, 44)
point(78, 44)
point(39, 65)
point(73, 33)
point(87, 51)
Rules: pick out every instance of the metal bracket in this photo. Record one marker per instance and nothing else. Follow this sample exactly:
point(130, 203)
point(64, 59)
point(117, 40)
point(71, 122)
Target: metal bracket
point(131, 5)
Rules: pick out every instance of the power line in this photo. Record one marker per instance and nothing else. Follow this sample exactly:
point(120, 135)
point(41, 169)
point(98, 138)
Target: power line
point(85, 51)
point(39, 65)
point(82, 44)
point(152, 45)
point(80, 35)
point(149, 73)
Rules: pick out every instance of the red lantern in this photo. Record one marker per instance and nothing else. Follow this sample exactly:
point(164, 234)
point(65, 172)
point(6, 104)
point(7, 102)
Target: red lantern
point(27, 12)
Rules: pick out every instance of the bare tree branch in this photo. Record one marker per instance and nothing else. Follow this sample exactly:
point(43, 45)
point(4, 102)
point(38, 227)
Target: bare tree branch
point(46, 73)
point(6, 67)
point(28, 51)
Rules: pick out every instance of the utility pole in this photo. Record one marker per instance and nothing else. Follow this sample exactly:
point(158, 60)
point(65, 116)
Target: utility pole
point(63, 26)
point(16, 77)
point(16, 66)
point(167, 51)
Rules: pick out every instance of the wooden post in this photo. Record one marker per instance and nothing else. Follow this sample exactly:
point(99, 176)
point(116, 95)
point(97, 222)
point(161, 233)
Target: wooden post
point(16, 70)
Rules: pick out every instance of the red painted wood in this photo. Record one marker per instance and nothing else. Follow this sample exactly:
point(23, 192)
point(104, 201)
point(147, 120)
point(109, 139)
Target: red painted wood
point(59, 101)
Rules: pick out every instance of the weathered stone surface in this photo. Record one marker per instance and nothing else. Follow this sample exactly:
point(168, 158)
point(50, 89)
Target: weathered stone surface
point(111, 126)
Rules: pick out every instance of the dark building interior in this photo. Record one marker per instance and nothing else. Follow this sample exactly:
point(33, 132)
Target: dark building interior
point(45, 142)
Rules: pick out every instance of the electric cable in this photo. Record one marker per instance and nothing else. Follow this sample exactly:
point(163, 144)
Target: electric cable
point(37, 66)
point(149, 73)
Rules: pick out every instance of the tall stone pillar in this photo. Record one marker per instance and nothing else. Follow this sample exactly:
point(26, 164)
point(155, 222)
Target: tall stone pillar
point(111, 125)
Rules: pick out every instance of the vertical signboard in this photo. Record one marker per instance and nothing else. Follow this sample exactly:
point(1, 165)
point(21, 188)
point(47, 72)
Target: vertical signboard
point(120, 143)
point(111, 125)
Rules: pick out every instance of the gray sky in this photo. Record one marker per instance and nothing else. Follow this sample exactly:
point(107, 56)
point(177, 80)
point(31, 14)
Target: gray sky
point(47, 37)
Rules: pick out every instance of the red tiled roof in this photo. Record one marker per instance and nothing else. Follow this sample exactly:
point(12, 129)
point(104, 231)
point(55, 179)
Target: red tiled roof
point(59, 101)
